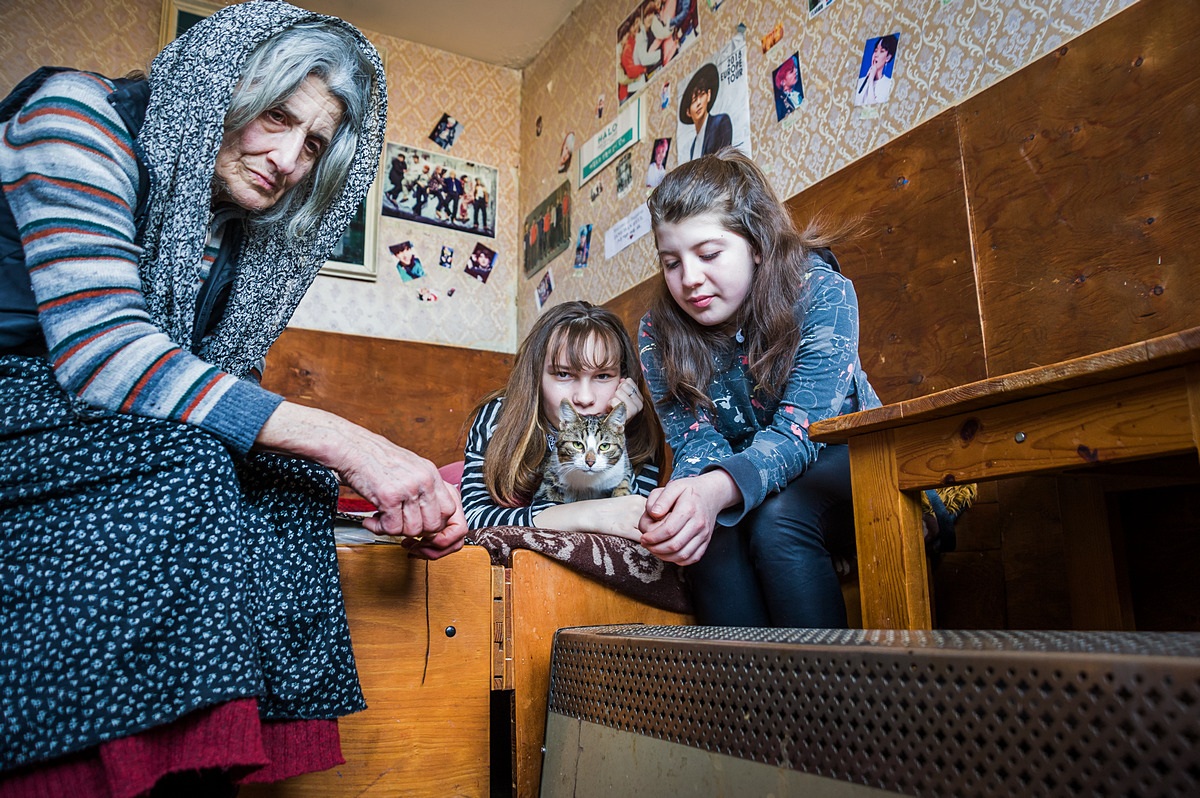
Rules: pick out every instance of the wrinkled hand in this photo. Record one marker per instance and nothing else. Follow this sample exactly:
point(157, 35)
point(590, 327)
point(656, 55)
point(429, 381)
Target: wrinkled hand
point(680, 517)
point(447, 541)
point(627, 393)
point(412, 498)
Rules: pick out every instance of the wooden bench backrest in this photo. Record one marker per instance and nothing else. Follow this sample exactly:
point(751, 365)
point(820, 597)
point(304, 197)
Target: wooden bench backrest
point(418, 395)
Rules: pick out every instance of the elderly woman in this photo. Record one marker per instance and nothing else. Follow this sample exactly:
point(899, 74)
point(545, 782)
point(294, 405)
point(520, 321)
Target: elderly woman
point(168, 580)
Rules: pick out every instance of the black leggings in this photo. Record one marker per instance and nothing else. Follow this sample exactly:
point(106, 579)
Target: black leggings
point(773, 568)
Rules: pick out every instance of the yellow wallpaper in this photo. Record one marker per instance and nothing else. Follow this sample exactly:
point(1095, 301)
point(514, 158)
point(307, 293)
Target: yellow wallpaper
point(111, 38)
point(947, 52)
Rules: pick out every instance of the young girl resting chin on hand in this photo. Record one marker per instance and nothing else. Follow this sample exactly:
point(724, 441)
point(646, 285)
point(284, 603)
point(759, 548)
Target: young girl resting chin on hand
point(754, 336)
point(578, 353)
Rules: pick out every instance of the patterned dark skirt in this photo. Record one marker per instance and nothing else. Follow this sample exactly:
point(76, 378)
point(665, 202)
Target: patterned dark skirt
point(146, 572)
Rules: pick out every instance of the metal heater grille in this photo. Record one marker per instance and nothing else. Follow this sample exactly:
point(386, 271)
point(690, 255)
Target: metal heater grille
point(921, 713)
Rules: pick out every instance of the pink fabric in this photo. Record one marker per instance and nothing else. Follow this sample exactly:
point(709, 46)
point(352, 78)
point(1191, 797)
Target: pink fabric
point(228, 737)
point(452, 473)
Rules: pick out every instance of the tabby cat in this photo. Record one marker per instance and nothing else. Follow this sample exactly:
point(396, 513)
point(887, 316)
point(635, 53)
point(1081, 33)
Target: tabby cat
point(589, 460)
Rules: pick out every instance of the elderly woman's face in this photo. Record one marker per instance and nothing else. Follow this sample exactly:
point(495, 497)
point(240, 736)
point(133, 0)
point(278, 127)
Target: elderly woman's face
point(258, 164)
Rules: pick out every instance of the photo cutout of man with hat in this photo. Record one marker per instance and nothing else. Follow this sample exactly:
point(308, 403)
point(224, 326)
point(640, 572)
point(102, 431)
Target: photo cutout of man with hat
point(712, 131)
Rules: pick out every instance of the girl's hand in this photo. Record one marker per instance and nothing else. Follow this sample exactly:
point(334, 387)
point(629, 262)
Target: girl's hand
point(618, 516)
point(680, 518)
point(627, 393)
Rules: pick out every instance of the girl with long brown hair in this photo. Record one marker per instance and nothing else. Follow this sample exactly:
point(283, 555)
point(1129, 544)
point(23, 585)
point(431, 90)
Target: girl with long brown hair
point(579, 353)
point(752, 337)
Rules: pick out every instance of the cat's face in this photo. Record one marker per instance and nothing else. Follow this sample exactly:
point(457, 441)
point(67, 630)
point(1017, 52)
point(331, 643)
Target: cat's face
point(587, 390)
point(590, 443)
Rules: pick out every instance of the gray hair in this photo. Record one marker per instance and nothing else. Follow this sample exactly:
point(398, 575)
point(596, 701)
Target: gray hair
point(272, 73)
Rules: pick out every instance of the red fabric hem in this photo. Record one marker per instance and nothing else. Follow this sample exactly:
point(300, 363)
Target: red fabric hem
point(228, 736)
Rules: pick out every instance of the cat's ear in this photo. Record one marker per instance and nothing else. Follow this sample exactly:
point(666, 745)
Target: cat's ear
point(616, 417)
point(566, 413)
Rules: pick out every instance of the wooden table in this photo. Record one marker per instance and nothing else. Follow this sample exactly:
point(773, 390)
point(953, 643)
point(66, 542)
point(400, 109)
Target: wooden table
point(1133, 402)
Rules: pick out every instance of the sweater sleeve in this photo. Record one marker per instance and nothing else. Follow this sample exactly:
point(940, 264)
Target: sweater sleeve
point(822, 376)
point(70, 175)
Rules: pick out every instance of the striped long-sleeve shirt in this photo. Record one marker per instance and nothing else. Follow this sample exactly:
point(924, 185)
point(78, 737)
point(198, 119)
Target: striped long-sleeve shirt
point(480, 508)
point(70, 175)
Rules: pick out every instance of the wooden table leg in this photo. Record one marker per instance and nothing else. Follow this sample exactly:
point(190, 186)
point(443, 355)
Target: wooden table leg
point(1193, 389)
point(893, 574)
point(1097, 577)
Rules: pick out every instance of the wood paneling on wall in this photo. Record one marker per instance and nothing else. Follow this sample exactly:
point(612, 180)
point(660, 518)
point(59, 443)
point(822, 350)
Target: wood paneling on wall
point(418, 395)
point(912, 267)
point(1081, 175)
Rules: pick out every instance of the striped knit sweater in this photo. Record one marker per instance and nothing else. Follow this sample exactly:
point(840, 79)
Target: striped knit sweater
point(480, 508)
point(69, 173)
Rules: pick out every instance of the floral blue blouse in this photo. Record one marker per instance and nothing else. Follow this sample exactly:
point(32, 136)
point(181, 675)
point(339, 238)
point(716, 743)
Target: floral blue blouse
point(764, 444)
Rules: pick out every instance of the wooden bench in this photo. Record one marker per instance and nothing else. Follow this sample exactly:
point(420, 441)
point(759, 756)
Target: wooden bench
point(433, 640)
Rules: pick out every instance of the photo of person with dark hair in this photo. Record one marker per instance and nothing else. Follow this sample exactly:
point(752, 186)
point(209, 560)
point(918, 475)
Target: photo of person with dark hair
point(481, 263)
point(789, 91)
point(712, 132)
point(440, 190)
point(649, 38)
point(407, 263)
point(875, 74)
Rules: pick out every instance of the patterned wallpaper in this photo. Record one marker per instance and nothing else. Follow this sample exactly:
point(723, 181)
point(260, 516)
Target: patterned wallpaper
point(424, 83)
point(948, 50)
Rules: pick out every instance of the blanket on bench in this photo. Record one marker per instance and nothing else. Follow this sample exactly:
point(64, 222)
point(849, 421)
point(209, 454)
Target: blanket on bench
point(619, 563)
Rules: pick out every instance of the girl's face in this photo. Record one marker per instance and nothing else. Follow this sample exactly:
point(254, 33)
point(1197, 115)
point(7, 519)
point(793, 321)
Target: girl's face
point(708, 268)
point(589, 388)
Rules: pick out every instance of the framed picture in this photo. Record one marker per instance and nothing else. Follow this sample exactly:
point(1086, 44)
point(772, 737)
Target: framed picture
point(547, 230)
point(354, 255)
point(438, 189)
point(179, 15)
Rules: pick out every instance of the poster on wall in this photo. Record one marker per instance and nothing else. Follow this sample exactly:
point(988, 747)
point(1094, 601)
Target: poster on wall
point(481, 263)
point(612, 140)
point(440, 190)
point(714, 106)
point(583, 247)
point(547, 230)
point(649, 39)
point(789, 88)
point(656, 170)
point(626, 231)
point(874, 84)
